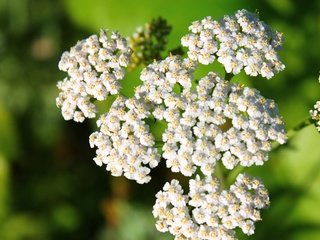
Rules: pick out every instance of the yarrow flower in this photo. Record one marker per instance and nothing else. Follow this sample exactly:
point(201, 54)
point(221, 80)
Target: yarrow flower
point(160, 79)
point(238, 42)
point(207, 120)
point(124, 142)
point(315, 114)
point(207, 212)
point(94, 66)
point(217, 120)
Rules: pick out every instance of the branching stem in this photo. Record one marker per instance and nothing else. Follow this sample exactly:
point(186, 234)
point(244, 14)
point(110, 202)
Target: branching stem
point(228, 76)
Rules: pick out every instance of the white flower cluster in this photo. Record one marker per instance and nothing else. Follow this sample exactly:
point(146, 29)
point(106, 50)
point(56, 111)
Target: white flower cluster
point(207, 212)
point(315, 114)
point(124, 142)
point(217, 120)
point(163, 80)
point(238, 42)
point(94, 66)
point(208, 120)
point(238, 120)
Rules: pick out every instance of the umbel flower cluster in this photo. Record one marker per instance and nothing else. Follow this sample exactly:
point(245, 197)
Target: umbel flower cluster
point(315, 114)
point(94, 66)
point(207, 212)
point(238, 42)
point(209, 121)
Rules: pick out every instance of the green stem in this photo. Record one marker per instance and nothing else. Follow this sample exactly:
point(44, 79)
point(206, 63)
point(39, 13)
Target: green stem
point(303, 124)
point(121, 93)
point(293, 131)
point(159, 143)
point(228, 76)
point(220, 175)
point(233, 174)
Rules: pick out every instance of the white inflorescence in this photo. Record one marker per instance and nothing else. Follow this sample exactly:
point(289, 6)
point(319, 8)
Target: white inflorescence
point(217, 120)
point(238, 42)
point(315, 114)
point(94, 66)
point(124, 142)
point(207, 212)
point(162, 78)
point(207, 121)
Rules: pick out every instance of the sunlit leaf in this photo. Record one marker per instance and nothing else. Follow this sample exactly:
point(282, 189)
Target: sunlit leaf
point(8, 134)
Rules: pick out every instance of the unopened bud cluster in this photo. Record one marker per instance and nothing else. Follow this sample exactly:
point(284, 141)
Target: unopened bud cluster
point(148, 42)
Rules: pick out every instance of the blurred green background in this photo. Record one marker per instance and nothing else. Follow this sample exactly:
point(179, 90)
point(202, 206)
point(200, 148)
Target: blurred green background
point(49, 186)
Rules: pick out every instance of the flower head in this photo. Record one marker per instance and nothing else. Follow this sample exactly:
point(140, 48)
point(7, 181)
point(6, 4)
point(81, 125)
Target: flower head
point(94, 66)
point(315, 114)
point(207, 120)
point(216, 120)
point(124, 142)
point(238, 42)
point(162, 80)
point(207, 212)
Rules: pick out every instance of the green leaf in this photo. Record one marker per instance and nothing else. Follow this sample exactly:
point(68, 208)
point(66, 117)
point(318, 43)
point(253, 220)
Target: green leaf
point(8, 134)
point(126, 15)
point(4, 187)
